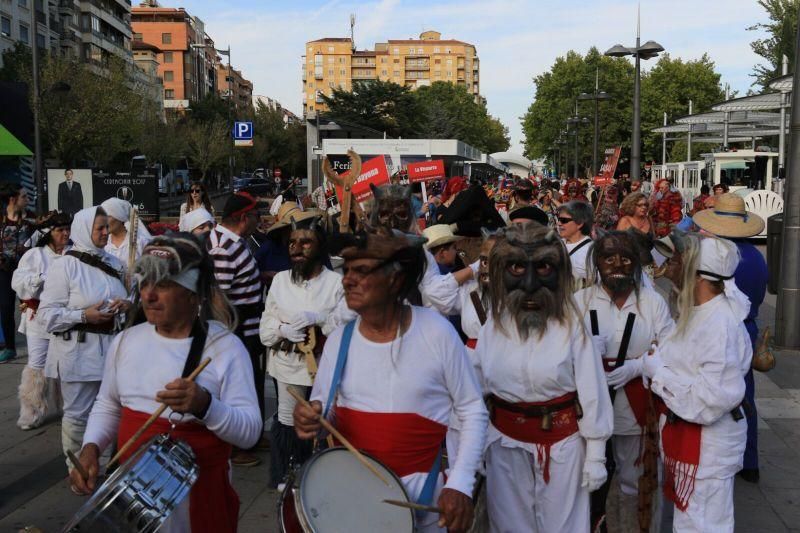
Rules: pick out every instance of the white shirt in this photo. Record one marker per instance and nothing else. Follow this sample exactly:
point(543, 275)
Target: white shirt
point(72, 286)
point(425, 372)
point(702, 381)
point(540, 369)
point(578, 259)
point(141, 362)
point(653, 322)
point(121, 251)
point(286, 299)
point(28, 282)
point(439, 291)
point(470, 323)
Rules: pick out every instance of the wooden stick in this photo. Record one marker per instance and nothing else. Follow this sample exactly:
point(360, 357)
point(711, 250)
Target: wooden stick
point(415, 506)
point(77, 464)
point(152, 419)
point(335, 432)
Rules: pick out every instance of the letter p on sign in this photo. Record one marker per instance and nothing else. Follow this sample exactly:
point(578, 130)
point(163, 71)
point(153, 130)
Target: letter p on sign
point(243, 134)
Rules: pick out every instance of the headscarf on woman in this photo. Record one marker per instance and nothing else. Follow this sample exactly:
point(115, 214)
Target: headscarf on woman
point(121, 210)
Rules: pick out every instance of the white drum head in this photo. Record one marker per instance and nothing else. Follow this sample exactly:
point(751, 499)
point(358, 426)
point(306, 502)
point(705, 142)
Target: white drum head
point(339, 495)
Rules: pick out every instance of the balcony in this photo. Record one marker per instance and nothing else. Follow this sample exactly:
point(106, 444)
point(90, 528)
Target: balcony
point(108, 16)
point(363, 76)
point(305, 76)
point(365, 64)
point(318, 72)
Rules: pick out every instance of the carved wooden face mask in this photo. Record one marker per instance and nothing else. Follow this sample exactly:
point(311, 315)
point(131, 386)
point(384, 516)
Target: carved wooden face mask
point(392, 207)
point(617, 261)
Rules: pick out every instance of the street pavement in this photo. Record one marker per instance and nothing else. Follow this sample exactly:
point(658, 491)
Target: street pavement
point(34, 490)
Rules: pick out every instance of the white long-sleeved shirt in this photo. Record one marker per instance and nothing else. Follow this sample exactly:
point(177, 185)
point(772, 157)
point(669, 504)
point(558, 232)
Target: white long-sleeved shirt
point(540, 369)
point(578, 258)
point(702, 381)
point(121, 251)
point(470, 323)
point(439, 291)
point(425, 372)
point(72, 286)
point(28, 282)
point(286, 299)
point(141, 362)
point(653, 322)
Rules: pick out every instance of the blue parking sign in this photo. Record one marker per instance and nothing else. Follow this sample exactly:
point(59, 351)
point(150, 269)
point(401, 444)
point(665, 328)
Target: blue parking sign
point(242, 131)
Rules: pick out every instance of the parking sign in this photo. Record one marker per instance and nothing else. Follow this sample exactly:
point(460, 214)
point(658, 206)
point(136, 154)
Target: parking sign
point(243, 134)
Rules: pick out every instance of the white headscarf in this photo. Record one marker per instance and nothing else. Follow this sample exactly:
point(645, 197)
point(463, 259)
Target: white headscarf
point(121, 210)
point(718, 261)
point(81, 231)
point(195, 218)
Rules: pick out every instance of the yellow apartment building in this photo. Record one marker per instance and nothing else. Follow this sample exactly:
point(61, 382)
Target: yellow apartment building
point(333, 62)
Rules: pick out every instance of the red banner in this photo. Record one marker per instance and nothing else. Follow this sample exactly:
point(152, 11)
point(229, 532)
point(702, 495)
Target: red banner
point(373, 171)
point(426, 171)
point(609, 168)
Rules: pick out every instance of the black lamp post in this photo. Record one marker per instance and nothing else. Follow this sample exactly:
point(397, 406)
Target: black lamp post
point(576, 121)
point(597, 96)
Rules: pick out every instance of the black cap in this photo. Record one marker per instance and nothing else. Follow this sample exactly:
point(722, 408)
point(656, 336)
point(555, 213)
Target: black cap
point(238, 204)
point(530, 212)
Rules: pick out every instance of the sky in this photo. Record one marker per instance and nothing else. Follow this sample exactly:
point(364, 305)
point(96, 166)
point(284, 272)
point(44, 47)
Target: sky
point(515, 39)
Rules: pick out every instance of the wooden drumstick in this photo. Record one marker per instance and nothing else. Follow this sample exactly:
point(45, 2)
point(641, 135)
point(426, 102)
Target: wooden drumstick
point(415, 506)
point(152, 419)
point(77, 464)
point(335, 432)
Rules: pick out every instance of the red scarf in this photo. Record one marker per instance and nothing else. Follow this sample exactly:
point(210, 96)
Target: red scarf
point(213, 504)
point(681, 441)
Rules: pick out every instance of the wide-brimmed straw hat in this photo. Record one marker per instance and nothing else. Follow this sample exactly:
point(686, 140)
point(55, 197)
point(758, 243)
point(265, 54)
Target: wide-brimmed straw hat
point(439, 234)
point(729, 218)
point(289, 211)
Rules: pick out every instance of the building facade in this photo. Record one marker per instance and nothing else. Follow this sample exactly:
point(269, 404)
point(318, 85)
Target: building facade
point(331, 63)
point(230, 81)
point(271, 103)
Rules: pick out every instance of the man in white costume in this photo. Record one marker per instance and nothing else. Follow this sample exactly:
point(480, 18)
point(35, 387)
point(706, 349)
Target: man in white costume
point(549, 404)
point(181, 319)
point(624, 317)
point(119, 214)
point(404, 372)
point(28, 282)
point(699, 374)
point(298, 300)
point(81, 305)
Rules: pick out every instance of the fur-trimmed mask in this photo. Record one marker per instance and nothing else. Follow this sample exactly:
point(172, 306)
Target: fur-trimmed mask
point(531, 279)
point(615, 255)
point(392, 207)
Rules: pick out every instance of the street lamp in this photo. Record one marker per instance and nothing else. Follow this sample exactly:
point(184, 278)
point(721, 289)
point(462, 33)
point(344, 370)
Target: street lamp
point(576, 121)
point(648, 50)
point(597, 96)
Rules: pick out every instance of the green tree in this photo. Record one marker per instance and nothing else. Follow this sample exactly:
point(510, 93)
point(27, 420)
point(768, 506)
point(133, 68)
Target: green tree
point(207, 143)
point(781, 34)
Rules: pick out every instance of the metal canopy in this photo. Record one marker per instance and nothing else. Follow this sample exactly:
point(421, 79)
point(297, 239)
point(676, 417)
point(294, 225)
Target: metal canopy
point(718, 139)
point(783, 84)
point(758, 102)
point(718, 117)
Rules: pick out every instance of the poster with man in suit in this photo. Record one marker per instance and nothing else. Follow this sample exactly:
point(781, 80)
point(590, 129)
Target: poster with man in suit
point(73, 188)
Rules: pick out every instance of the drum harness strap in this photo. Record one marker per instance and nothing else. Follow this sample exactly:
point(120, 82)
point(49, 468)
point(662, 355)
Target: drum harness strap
point(426, 495)
point(199, 334)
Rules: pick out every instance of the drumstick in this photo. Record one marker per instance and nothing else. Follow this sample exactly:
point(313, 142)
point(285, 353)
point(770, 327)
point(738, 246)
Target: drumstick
point(77, 464)
point(415, 506)
point(152, 418)
point(335, 432)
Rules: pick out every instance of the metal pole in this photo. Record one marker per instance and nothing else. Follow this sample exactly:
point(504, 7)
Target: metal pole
point(636, 154)
point(689, 137)
point(664, 143)
point(596, 121)
point(576, 151)
point(782, 134)
point(37, 134)
point(725, 130)
point(787, 316)
point(230, 111)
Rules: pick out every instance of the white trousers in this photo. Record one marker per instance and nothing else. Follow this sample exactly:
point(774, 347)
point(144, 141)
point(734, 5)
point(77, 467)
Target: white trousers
point(78, 399)
point(519, 500)
point(626, 452)
point(710, 508)
point(286, 402)
point(37, 350)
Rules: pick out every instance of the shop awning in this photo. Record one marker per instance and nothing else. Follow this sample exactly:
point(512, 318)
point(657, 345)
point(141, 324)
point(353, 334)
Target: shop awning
point(11, 146)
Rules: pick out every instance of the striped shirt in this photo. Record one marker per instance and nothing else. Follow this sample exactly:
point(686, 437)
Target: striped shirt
point(238, 276)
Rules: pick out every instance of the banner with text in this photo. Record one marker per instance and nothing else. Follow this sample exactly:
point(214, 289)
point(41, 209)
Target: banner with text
point(373, 171)
point(426, 171)
point(139, 187)
point(609, 168)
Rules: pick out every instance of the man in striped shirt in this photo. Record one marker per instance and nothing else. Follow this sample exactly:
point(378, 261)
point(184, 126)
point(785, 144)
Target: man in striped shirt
point(238, 277)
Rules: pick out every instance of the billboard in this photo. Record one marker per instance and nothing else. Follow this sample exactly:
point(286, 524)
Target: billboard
point(373, 172)
point(426, 171)
point(139, 187)
point(69, 189)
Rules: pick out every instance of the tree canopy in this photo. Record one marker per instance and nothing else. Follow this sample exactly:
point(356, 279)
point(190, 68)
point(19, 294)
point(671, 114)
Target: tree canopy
point(781, 34)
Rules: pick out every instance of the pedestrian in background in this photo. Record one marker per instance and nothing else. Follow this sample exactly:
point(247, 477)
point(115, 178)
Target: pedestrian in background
point(196, 198)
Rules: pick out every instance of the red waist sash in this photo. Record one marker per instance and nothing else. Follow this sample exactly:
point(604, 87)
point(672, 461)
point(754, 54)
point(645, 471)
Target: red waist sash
point(681, 441)
point(406, 443)
point(529, 429)
point(213, 503)
point(32, 304)
point(471, 343)
point(636, 393)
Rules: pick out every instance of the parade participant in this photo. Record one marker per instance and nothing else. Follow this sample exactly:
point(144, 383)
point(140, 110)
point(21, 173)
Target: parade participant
point(405, 372)
point(547, 203)
point(470, 211)
point(16, 231)
point(238, 277)
point(536, 360)
point(299, 299)
point(198, 221)
point(119, 214)
point(699, 203)
point(27, 282)
point(529, 213)
point(608, 209)
point(666, 208)
point(522, 194)
point(624, 316)
point(573, 190)
point(442, 246)
point(575, 220)
point(82, 305)
point(730, 219)
point(181, 319)
point(197, 198)
point(700, 378)
point(634, 211)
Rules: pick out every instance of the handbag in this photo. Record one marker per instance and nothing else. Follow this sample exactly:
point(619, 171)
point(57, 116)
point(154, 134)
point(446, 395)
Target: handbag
point(764, 356)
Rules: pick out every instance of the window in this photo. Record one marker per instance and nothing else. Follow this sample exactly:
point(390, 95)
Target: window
point(22, 3)
point(138, 37)
point(330, 49)
point(447, 50)
point(396, 51)
point(341, 72)
point(5, 26)
point(331, 84)
point(449, 62)
point(438, 74)
point(342, 60)
point(412, 51)
point(40, 40)
point(330, 72)
point(330, 60)
point(95, 24)
point(23, 33)
point(449, 73)
point(420, 50)
point(397, 73)
point(167, 57)
point(168, 75)
point(383, 60)
point(169, 93)
point(166, 38)
point(384, 72)
point(437, 50)
point(437, 61)
point(396, 60)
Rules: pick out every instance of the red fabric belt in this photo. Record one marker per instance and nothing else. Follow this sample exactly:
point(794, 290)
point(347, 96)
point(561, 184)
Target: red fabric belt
point(636, 393)
point(681, 441)
point(33, 305)
point(406, 443)
point(471, 343)
point(529, 429)
point(213, 503)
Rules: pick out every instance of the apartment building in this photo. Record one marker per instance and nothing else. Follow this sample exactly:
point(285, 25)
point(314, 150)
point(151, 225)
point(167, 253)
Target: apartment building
point(288, 116)
point(232, 80)
point(334, 62)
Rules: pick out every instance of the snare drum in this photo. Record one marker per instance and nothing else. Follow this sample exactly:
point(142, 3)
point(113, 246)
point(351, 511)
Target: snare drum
point(334, 493)
point(142, 492)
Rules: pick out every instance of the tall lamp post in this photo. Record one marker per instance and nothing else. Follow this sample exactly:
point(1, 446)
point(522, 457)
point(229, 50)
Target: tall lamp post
point(597, 96)
point(648, 50)
point(576, 121)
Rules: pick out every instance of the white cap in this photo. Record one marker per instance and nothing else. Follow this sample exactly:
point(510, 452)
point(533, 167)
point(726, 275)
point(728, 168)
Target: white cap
point(718, 259)
point(194, 218)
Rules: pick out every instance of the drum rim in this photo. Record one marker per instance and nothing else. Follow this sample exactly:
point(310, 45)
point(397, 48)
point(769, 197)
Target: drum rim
point(304, 472)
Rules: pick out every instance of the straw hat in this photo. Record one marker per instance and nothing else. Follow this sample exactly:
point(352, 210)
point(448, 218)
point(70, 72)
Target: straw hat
point(439, 234)
point(729, 218)
point(289, 211)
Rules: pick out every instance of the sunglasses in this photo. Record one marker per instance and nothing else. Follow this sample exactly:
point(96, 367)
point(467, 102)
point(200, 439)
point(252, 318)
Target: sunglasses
point(564, 220)
point(196, 190)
